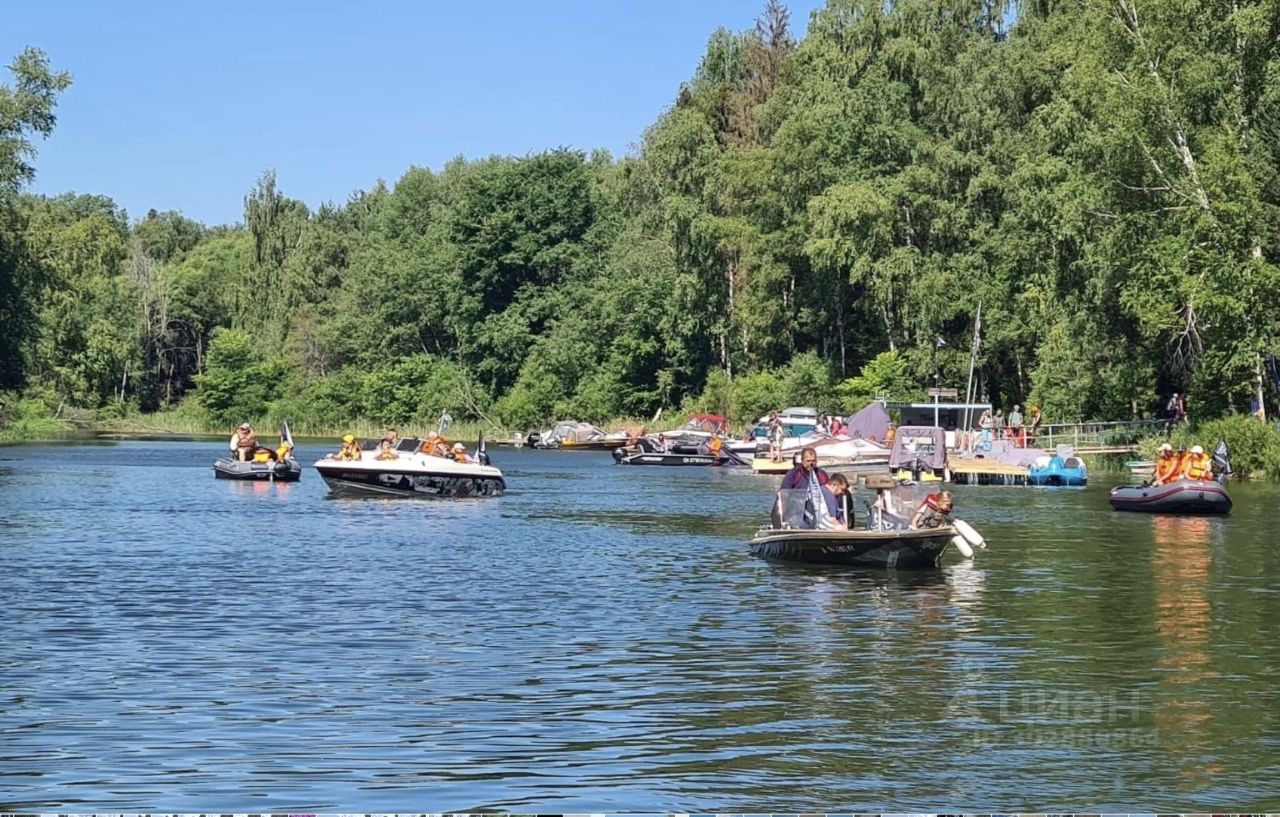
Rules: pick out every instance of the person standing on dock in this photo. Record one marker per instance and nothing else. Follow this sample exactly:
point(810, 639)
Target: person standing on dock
point(1015, 427)
point(1033, 430)
point(997, 424)
point(986, 424)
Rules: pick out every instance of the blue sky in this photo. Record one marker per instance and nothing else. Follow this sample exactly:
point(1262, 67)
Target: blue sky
point(181, 106)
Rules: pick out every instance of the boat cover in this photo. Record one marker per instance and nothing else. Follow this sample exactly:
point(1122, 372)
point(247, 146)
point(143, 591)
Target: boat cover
point(872, 421)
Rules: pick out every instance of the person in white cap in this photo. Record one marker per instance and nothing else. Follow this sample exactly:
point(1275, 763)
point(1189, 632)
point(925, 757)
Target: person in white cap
point(244, 442)
point(1198, 465)
point(1166, 466)
point(460, 453)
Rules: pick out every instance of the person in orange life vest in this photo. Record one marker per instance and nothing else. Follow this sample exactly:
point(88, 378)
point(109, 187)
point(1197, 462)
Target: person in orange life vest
point(715, 446)
point(386, 452)
point(460, 453)
point(244, 442)
point(1198, 465)
point(1167, 464)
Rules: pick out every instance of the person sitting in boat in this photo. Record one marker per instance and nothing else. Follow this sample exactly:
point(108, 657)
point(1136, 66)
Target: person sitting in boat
point(1166, 466)
point(436, 446)
point(460, 454)
point(385, 451)
point(838, 487)
point(243, 443)
point(350, 450)
point(284, 451)
point(661, 446)
point(392, 436)
point(933, 512)
point(1198, 465)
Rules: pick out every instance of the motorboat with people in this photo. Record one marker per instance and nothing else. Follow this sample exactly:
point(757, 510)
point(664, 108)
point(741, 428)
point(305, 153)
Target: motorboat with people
point(1183, 496)
point(851, 457)
point(1060, 468)
point(263, 464)
point(801, 532)
point(648, 451)
point(698, 429)
point(413, 472)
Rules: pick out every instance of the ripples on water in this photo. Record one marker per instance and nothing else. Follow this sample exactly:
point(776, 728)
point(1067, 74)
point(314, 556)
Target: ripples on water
point(600, 640)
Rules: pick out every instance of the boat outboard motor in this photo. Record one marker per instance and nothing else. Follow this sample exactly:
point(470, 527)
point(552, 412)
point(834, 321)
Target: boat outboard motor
point(618, 454)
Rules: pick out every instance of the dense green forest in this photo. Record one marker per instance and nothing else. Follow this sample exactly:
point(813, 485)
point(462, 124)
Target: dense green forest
point(810, 222)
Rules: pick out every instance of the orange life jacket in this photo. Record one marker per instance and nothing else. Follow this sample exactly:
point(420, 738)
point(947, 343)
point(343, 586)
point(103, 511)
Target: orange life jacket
point(716, 445)
point(1166, 469)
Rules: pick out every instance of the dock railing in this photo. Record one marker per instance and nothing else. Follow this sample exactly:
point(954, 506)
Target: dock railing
point(1097, 437)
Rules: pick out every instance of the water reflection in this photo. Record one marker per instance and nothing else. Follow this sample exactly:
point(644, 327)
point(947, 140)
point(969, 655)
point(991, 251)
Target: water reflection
point(1184, 617)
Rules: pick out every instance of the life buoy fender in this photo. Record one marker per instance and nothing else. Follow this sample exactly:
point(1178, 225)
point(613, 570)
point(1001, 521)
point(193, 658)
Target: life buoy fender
point(962, 546)
point(970, 535)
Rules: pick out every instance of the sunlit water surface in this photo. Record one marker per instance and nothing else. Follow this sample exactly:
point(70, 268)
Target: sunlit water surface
point(599, 639)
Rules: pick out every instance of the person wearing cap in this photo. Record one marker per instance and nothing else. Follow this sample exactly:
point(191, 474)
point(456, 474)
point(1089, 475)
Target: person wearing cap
point(1198, 465)
point(244, 442)
point(1166, 466)
point(460, 453)
point(350, 449)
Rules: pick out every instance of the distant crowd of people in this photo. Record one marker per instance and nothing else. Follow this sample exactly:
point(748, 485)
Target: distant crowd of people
point(1020, 431)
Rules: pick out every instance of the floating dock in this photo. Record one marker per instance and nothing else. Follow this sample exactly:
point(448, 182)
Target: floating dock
point(986, 472)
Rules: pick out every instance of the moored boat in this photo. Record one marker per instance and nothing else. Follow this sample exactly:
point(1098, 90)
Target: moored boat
point(1184, 496)
point(646, 452)
point(1058, 470)
point(412, 473)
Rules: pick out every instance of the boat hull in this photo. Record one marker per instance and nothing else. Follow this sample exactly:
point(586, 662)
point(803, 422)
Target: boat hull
point(343, 479)
point(1185, 496)
point(898, 549)
point(668, 459)
point(225, 468)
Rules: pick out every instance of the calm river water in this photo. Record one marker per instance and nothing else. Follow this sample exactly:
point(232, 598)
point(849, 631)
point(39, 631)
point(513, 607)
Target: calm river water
point(599, 639)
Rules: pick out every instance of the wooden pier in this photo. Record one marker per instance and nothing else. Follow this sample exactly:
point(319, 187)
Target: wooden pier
point(973, 471)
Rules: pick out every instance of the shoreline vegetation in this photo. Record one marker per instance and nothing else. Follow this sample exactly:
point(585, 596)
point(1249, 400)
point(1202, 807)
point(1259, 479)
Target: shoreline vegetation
point(1060, 206)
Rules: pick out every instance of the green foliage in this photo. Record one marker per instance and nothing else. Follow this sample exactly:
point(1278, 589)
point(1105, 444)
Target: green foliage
point(1253, 446)
point(886, 375)
point(238, 382)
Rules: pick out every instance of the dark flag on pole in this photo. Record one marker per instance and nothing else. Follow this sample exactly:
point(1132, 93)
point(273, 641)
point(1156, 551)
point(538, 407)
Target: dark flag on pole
point(1221, 463)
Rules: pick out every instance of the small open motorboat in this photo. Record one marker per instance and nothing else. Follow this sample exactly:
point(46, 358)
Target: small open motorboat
point(798, 534)
point(904, 549)
point(647, 452)
point(412, 473)
point(1191, 496)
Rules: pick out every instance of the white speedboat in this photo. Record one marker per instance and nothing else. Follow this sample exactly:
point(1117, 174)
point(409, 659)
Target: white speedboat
point(799, 424)
point(412, 473)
